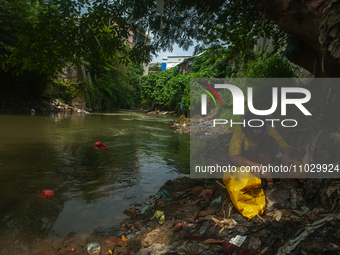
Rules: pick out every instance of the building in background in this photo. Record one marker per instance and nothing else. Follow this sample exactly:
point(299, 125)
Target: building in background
point(186, 65)
point(184, 62)
point(136, 37)
point(172, 61)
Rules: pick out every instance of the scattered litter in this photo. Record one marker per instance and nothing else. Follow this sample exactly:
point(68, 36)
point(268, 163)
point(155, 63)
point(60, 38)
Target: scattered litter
point(181, 247)
point(147, 207)
point(203, 195)
point(267, 248)
point(275, 214)
point(214, 241)
point(93, 248)
point(197, 229)
point(292, 244)
point(204, 227)
point(258, 216)
point(316, 212)
point(296, 198)
point(131, 212)
point(217, 201)
point(254, 243)
point(238, 240)
point(220, 184)
point(225, 223)
point(163, 192)
point(334, 186)
point(150, 205)
point(159, 215)
point(304, 209)
point(277, 196)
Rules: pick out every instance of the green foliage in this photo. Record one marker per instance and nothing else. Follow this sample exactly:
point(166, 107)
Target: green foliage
point(270, 66)
point(232, 23)
point(44, 35)
point(115, 84)
point(41, 36)
point(166, 89)
point(68, 90)
point(163, 90)
point(155, 68)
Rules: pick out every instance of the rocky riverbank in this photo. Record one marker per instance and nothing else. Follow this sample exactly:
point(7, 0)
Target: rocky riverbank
point(18, 106)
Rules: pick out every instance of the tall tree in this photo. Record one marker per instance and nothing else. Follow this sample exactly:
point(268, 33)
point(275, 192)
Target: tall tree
point(60, 31)
point(312, 27)
point(315, 29)
point(57, 31)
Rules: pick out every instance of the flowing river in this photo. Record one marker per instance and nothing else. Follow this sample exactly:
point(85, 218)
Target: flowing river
point(92, 187)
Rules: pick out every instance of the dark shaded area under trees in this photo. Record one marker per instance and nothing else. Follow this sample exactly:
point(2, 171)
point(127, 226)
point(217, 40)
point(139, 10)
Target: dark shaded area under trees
point(42, 36)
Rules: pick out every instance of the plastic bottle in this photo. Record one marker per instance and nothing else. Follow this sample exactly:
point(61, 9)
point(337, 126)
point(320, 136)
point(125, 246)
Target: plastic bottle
point(93, 248)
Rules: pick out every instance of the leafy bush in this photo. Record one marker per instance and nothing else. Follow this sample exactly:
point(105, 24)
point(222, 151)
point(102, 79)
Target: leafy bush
point(68, 90)
point(114, 84)
point(166, 90)
point(269, 66)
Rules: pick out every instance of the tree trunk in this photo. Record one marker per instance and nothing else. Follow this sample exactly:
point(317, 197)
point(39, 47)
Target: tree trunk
point(316, 25)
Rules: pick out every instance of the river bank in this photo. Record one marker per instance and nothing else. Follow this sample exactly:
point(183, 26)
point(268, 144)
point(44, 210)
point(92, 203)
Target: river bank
point(190, 216)
point(19, 106)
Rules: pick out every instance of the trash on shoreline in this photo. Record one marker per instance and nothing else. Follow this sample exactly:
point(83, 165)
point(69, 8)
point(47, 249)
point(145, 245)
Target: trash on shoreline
point(93, 248)
point(200, 228)
point(246, 194)
point(159, 215)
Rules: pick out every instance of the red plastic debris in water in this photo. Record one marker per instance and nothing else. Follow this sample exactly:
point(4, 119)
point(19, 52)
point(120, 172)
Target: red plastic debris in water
point(100, 145)
point(73, 249)
point(48, 192)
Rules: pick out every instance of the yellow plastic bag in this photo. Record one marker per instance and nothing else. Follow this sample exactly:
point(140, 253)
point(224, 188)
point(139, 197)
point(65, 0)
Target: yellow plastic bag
point(246, 193)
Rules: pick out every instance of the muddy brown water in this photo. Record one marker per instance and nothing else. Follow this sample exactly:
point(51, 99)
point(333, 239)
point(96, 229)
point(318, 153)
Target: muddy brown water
point(92, 187)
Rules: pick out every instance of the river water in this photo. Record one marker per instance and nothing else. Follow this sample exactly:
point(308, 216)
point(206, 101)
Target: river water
point(92, 187)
